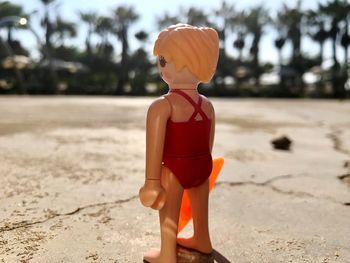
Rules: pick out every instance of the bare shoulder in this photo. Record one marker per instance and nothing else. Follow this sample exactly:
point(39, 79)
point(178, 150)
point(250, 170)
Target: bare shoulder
point(207, 102)
point(208, 106)
point(159, 107)
point(205, 99)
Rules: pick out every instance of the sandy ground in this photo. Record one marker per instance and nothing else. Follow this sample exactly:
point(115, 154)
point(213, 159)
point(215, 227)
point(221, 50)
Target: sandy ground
point(70, 170)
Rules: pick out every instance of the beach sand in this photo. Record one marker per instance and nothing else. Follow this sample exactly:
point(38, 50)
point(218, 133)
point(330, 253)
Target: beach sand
point(71, 168)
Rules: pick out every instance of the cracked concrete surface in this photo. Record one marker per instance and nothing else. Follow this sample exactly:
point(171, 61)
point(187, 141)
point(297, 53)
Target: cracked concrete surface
point(53, 214)
point(71, 169)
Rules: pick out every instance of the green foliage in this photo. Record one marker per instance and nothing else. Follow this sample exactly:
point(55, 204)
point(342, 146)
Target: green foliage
point(102, 68)
point(9, 9)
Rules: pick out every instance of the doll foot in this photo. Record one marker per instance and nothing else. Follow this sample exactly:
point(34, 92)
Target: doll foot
point(154, 256)
point(192, 243)
point(151, 255)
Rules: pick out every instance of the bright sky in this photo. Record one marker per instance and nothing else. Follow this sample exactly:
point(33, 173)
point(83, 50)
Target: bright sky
point(149, 10)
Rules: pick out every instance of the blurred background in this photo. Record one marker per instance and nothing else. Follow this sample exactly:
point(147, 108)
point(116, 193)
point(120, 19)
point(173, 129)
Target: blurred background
point(277, 48)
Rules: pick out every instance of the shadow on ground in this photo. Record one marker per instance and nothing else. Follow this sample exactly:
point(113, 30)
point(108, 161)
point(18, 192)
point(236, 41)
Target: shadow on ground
point(191, 256)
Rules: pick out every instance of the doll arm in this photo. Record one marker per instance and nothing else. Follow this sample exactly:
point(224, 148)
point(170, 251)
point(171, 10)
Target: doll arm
point(157, 117)
point(152, 193)
point(212, 130)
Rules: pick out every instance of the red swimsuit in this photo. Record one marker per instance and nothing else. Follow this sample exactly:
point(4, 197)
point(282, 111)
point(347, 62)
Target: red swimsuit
point(186, 149)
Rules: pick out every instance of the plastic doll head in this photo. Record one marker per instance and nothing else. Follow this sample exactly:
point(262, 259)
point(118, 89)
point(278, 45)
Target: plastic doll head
point(196, 48)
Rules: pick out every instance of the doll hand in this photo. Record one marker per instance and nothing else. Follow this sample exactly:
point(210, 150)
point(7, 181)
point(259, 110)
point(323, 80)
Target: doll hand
point(152, 194)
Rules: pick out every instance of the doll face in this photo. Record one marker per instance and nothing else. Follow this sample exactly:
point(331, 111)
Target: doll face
point(170, 75)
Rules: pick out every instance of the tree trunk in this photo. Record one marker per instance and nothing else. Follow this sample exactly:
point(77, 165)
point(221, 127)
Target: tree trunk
point(280, 65)
point(88, 47)
point(336, 86)
point(53, 80)
point(123, 72)
point(240, 55)
point(224, 37)
point(334, 34)
point(334, 49)
point(321, 52)
point(48, 31)
point(256, 60)
point(298, 62)
point(9, 34)
point(345, 73)
point(320, 82)
point(88, 42)
point(346, 47)
point(296, 49)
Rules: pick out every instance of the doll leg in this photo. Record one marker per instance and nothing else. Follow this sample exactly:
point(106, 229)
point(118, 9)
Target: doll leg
point(199, 202)
point(169, 218)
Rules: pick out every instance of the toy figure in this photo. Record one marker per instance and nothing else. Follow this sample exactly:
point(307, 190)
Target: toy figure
point(179, 138)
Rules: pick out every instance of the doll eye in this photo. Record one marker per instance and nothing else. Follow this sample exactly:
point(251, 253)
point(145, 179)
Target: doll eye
point(162, 61)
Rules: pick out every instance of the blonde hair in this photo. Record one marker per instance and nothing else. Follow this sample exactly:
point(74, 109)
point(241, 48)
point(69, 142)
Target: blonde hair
point(197, 48)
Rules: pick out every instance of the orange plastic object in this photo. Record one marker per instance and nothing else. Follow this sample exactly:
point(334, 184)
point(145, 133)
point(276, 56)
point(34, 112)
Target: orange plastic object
point(186, 212)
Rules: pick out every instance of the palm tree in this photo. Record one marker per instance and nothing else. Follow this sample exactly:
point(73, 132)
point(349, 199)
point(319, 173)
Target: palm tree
point(345, 40)
point(241, 29)
point(316, 29)
point(11, 47)
point(140, 65)
point(142, 37)
point(195, 17)
point(123, 18)
point(280, 41)
point(226, 18)
point(8, 9)
point(47, 23)
point(166, 20)
point(279, 44)
point(90, 18)
point(255, 21)
point(316, 22)
point(9, 12)
point(239, 44)
point(64, 29)
point(290, 21)
point(104, 28)
point(337, 12)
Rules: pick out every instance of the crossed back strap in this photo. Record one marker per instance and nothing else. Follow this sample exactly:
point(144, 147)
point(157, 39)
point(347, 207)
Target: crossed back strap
point(196, 106)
